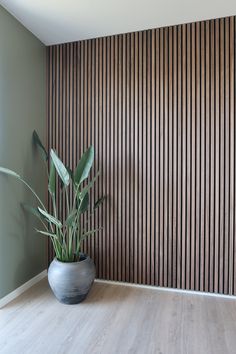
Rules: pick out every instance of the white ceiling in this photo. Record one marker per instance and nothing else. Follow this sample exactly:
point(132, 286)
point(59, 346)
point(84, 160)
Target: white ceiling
point(60, 21)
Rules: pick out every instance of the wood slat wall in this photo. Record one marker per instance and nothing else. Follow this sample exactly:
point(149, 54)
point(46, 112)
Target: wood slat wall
point(159, 108)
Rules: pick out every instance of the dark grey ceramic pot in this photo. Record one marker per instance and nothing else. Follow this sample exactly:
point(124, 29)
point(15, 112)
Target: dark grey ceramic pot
point(71, 282)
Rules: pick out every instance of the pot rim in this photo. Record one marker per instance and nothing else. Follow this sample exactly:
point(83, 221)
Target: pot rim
point(70, 263)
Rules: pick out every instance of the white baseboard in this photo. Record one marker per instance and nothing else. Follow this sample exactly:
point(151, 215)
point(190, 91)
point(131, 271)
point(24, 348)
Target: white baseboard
point(159, 288)
point(15, 293)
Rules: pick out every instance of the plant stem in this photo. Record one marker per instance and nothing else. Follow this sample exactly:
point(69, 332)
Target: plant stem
point(36, 196)
point(34, 193)
point(67, 201)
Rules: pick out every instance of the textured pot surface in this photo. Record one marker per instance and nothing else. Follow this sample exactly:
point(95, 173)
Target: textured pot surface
point(71, 282)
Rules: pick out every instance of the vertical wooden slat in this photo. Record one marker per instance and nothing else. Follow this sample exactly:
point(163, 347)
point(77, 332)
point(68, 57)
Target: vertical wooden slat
point(184, 153)
point(170, 156)
point(144, 156)
point(126, 152)
point(103, 154)
point(217, 158)
point(96, 128)
point(161, 166)
point(153, 157)
point(188, 157)
point(198, 157)
point(50, 118)
point(175, 167)
point(148, 162)
point(107, 152)
point(179, 156)
point(192, 154)
point(231, 150)
point(202, 152)
point(115, 179)
point(166, 157)
point(111, 202)
point(136, 158)
point(227, 157)
point(119, 159)
point(222, 157)
point(159, 108)
point(92, 118)
point(207, 155)
point(157, 161)
point(99, 150)
point(233, 112)
point(212, 123)
point(131, 164)
point(140, 164)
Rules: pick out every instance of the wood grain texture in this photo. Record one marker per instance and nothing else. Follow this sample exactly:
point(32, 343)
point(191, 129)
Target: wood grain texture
point(118, 319)
point(159, 108)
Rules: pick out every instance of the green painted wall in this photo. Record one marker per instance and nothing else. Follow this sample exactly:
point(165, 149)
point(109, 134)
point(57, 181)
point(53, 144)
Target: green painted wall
point(22, 109)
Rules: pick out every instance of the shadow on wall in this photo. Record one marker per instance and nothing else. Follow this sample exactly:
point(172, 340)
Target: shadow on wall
point(22, 249)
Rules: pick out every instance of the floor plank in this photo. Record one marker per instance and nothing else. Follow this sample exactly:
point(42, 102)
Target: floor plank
point(118, 319)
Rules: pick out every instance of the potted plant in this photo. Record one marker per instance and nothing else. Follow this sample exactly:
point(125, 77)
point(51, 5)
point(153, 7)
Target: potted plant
point(71, 273)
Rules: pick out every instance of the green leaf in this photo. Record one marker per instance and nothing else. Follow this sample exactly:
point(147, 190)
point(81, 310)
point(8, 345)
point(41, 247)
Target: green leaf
point(61, 169)
point(70, 172)
point(46, 233)
point(50, 218)
point(84, 166)
point(89, 185)
point(84, 204)
point(9, 172)
point(52, 179)
point(71, 217)
point(99, 201)
point(89, 233)
point(14, 174)
point(32, 210)
point(42, 149)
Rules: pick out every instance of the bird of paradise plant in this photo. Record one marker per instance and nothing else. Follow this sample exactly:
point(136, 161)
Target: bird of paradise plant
point(66, 235)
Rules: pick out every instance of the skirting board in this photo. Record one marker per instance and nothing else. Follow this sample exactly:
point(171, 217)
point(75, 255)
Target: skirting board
point(159, 288)
point(17, 292)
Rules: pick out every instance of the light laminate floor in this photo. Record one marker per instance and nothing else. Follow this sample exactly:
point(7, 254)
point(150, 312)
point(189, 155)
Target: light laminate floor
point(118, 319)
